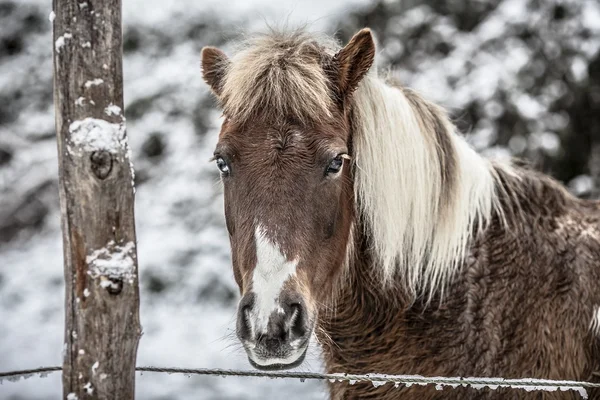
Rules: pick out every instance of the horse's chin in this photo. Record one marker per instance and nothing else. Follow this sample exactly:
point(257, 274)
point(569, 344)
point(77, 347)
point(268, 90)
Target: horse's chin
point(279, 366)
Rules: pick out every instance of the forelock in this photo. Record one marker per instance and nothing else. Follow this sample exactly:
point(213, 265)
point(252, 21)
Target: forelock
point(279, 75)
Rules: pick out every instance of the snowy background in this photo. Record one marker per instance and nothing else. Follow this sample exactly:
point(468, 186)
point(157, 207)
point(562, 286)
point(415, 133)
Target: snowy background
point(520, 77)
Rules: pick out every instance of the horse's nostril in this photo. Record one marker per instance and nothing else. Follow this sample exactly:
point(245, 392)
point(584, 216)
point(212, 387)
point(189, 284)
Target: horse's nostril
point(246, 311)
point(297, 320)
point(283, 335)
point(243, 322)
point(296, 313)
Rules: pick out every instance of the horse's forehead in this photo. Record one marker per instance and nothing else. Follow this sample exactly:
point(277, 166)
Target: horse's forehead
point(280, 138)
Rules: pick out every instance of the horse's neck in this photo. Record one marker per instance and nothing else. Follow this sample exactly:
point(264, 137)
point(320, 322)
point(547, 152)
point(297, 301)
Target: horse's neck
point(366, 320)
point(357, 312)
point(366, 312)
point(379, 327)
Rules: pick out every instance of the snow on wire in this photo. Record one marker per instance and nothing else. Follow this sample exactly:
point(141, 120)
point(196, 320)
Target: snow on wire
point(527, 384)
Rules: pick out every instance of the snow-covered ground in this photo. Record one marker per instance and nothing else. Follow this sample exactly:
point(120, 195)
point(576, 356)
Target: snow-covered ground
point(187, 289)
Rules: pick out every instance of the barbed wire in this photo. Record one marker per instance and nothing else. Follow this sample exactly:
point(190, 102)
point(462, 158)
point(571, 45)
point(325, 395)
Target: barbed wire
point(375, 379)
point(26, 373)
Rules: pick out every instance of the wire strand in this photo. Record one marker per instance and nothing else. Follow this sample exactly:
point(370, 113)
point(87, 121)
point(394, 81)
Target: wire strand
point(526, 383)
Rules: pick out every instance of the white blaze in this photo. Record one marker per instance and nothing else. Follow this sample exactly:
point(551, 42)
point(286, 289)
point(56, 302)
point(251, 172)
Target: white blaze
point(270, 274)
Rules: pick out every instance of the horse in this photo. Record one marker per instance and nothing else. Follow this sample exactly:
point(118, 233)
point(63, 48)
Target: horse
point(358, 215)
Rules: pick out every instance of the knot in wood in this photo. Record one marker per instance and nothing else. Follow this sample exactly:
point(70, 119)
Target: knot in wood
point(115, 287)
point(101, 163)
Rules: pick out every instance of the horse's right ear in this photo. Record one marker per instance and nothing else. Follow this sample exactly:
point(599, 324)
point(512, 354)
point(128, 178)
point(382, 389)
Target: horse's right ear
point(353, 61)
point(214, 68)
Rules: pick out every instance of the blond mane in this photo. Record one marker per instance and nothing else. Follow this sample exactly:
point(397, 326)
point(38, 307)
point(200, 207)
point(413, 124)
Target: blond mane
point(279, 72)
point(423, 191)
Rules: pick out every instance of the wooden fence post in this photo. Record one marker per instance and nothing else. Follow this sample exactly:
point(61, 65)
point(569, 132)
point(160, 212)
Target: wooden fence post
point(102, 326)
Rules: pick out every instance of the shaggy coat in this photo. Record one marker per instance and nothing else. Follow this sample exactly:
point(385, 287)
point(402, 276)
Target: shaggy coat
point(418, 256)
point(525, 304)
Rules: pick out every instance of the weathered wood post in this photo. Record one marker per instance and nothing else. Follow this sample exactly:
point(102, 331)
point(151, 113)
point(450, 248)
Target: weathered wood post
point(96, 195)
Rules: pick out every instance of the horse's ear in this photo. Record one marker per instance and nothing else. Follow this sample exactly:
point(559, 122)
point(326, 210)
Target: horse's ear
point(353, 61)
point(214, 67)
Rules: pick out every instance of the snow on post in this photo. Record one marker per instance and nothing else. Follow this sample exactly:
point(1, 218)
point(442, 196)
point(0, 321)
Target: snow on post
point(102, 327)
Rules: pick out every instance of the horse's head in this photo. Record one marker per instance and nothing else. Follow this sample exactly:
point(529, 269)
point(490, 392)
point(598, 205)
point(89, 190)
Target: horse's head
point(283, 153)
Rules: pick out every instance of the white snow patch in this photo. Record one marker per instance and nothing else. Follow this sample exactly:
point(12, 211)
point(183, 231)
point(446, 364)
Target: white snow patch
point(61, 41)
point(591, 16)
point(93, 134)
point(72, 396)
point(79, 101)
point(86, 45)
point(581, 184)
point(95, 367)
point(51, 16)
point(107, 283)
point(89, 389)
point(16, 378)
point(93, 82)
point(549, 142)
point(86, 292)
point(112, 110)
point(579, 69)
point(517, 144)
point(113, 261)
point(529, 107)
point(527, 384)
point(534, 385)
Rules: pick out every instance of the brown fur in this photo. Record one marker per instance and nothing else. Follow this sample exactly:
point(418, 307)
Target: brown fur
point(351, 63)
point(214, 66)
point(521, 307)
point(253, 188)
point(522, 301)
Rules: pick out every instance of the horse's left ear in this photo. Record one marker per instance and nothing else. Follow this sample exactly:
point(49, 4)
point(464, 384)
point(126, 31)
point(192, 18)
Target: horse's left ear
point(214, 68)
point(353, 61)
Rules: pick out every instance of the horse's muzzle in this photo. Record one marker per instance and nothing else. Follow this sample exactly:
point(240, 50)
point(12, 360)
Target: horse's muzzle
point(281, 340)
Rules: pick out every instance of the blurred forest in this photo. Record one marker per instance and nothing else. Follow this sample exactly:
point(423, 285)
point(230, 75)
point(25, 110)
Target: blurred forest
point(532, 69)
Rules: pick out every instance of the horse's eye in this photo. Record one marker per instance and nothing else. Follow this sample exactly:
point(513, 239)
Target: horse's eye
point(222, 165)
point(335, 166)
